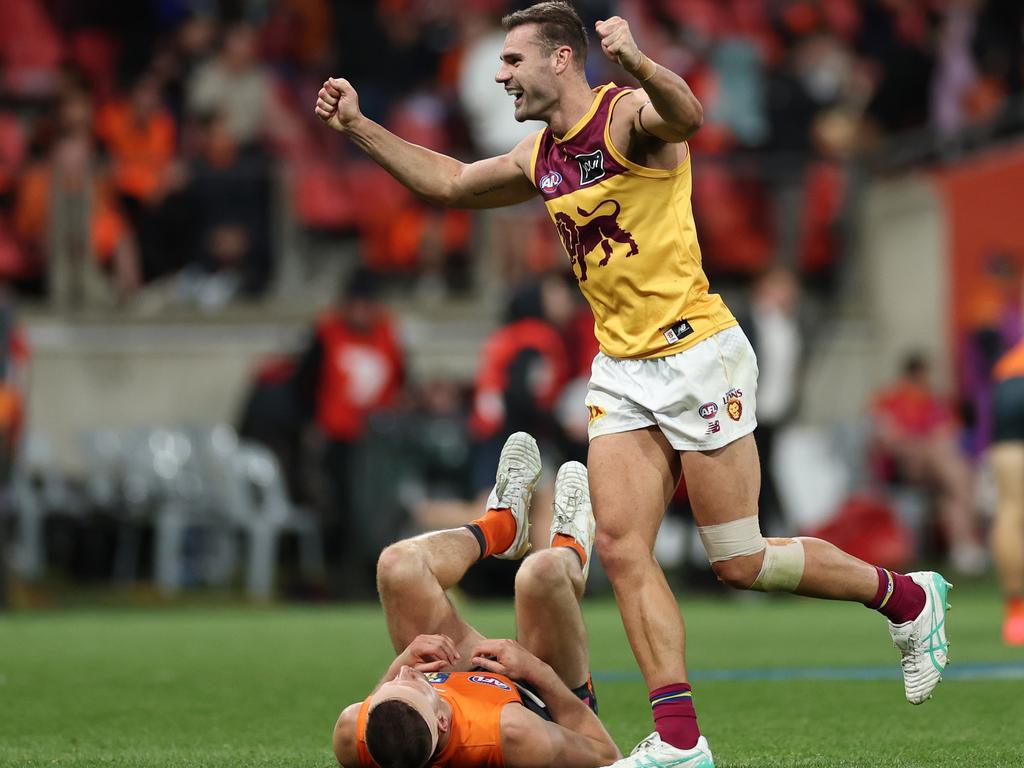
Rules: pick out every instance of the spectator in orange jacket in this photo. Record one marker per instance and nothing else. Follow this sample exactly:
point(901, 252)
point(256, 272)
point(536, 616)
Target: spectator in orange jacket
point(351, 368)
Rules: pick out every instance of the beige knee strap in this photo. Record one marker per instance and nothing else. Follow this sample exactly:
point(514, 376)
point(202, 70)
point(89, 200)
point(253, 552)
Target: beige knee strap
point(728, 540)
point(783, 567)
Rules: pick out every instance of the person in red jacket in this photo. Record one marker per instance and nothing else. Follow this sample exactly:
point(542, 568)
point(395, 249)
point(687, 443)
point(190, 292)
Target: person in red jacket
point(351, 369)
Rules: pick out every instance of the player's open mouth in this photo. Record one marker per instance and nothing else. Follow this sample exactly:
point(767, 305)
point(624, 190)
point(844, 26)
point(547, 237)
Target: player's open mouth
point(517, 94)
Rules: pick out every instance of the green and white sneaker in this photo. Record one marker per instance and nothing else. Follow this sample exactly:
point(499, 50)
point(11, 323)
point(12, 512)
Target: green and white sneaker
point(573, 514)
point(923, 641)
point(517, 476)
point(652, 752)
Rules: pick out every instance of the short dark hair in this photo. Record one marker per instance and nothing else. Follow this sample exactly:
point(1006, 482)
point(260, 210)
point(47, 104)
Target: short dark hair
point(557, 24)
point(397, 736)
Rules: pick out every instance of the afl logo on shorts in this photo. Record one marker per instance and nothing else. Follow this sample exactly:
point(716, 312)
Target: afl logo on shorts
point(487, 680)
point(708, 410)
point(550, 181)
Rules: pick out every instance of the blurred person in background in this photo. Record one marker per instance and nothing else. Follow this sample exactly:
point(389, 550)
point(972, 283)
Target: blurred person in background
point(227, 195)
point(1007, 459)
point(670, 349)
point(14, 362)
point(772, 325)
point(352, 368)
point(915, 435)
point(67, 213)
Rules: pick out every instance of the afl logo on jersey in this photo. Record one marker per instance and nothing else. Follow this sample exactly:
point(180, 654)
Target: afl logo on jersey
point(488, 680)
point(550, 181)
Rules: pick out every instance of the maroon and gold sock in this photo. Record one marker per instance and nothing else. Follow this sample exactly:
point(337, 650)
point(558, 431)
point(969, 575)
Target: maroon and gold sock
point(495, 531)
point(675, 719)
point(899, 598)
point(561, 540)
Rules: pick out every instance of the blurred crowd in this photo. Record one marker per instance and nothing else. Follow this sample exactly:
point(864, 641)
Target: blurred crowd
point(167, 142)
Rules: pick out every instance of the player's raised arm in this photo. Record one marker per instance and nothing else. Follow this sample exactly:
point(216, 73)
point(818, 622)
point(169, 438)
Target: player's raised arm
point(490, 183)
point(674, 113)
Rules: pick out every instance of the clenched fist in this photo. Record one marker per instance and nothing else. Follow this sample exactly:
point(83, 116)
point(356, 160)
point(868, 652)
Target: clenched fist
point(618, 45)
point(337, 104)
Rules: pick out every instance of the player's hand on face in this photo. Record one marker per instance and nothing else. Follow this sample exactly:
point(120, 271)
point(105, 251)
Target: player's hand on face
point(506, 657)
point(430, 653)
point(337, 103)
point(617, 42)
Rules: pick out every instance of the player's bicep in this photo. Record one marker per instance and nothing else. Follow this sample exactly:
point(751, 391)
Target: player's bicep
point(647, 121)
point(496, 181)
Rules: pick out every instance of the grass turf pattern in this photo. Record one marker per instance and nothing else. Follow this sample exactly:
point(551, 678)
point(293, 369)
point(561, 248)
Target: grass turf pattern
point(236, 686)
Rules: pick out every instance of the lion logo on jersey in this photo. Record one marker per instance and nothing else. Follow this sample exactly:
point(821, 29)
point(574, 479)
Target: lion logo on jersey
point(603, 230)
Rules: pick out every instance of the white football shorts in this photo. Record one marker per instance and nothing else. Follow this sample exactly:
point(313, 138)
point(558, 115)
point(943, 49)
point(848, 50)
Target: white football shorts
point(701, 398)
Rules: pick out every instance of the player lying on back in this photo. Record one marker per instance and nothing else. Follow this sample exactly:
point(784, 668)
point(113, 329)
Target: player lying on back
point(453, 698)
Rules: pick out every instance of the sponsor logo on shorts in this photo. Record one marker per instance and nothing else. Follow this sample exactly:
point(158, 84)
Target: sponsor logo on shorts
point(714, 428)
point(549, 181)
point(734, 408)
point(596, 412)
point(488, 680)
point(708, 410)
point(436, 678)
point(677, 331)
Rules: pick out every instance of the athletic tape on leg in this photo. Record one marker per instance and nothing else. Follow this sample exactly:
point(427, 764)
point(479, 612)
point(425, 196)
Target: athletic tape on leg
point(736, 539)
point(783, 567)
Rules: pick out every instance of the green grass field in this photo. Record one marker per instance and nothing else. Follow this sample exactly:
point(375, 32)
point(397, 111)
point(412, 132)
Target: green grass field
point(778, 682)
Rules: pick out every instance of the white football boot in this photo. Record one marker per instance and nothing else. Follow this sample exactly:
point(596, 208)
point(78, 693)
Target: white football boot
point(517, 476)
point(573, 515)
point(652, 752)
point(923, 640)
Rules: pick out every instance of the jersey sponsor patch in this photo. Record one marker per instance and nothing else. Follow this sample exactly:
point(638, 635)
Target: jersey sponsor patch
point(488, 680)
point(549, 181)
point(677, 331)
point(708, 410)
point(591, 167)
point(436, 678)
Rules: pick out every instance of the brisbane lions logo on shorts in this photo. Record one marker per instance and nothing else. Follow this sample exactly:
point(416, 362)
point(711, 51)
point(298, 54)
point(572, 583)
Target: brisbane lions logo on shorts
point(488, 680)
point(580, 239)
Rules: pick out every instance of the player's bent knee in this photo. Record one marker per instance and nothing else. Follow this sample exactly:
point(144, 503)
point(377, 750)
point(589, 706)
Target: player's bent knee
point(738, 572)
point(619, 553)
point(399, 564)
point(783, 566)
point(742, 558)
point(540, 573)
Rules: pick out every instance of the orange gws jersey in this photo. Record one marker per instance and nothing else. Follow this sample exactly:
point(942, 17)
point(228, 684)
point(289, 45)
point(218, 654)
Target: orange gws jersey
point(474, 740)
point(630, 236)
point(1011, 364)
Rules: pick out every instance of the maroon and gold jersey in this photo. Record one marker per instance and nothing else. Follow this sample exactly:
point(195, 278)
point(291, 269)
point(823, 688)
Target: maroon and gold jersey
point(629, 233)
